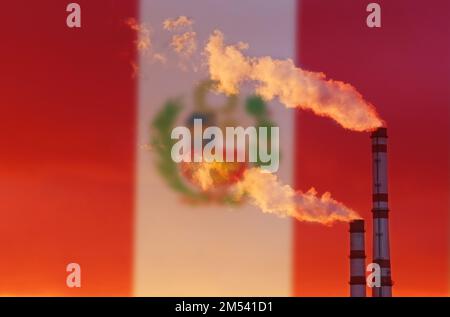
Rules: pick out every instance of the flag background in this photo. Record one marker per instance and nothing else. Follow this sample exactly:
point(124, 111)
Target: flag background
point(404, 69)
point(75, 186)
point(190, 250)
point(67, 148)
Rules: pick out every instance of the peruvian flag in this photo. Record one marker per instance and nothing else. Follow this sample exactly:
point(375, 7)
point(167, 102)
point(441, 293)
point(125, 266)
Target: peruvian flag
point(79, 181)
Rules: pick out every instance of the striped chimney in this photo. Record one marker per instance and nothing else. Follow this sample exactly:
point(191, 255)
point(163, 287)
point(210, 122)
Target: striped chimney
point(357, 259)
point(380, 210)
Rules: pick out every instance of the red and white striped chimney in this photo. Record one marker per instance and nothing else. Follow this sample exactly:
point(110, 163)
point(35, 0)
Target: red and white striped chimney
point(357, 259)
point(380, 210)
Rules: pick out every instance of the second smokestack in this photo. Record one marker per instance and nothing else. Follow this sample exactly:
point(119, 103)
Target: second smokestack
point(357, 259)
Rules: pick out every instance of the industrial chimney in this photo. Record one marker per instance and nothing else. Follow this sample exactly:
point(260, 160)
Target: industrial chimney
point(381, 254)
point(357, 259)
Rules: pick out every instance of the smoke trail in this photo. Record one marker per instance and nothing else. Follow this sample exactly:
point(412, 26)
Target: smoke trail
point(185, 43)
point(143, 42)
point(178, 22)
point(293, 86)
point(266, 192)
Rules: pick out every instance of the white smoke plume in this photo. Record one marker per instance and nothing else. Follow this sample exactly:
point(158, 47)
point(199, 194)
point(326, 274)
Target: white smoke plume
point(266, 192)
point(178, 22)
point(293, 86)
point(185, 43)
point(143, 42)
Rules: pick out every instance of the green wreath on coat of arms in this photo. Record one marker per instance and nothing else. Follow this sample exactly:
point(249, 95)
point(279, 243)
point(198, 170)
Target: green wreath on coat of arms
point(176, 175)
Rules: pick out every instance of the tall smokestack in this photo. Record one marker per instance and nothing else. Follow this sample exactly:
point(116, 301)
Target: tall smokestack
point(380, 210)
point(357, 259)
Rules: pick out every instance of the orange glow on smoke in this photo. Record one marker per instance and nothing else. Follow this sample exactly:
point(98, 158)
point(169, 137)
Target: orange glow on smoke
point(209, 175)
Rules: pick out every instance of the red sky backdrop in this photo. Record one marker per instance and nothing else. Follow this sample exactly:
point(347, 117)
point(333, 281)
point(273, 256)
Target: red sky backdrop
point(67, 148)
point(68, 143)
point(402, 68)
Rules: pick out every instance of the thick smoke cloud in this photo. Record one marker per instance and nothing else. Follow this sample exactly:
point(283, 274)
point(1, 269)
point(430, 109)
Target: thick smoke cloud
point(293, 86)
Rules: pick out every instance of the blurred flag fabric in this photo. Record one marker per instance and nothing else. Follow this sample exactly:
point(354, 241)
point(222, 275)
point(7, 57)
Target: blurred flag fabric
point(79, 186)
point(79, 183)
point(213, 249)
point(67, 148)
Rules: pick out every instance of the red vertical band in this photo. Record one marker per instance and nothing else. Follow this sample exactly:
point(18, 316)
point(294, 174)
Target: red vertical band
point(67, 152)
